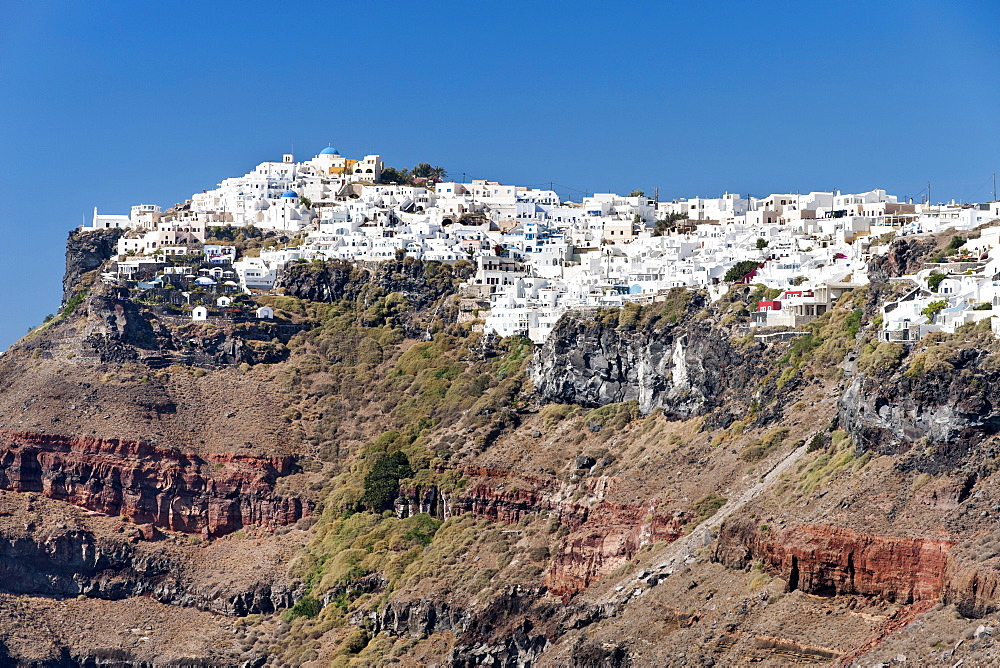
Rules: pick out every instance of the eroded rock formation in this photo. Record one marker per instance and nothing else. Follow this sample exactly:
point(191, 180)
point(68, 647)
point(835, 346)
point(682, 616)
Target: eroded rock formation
point(687, 369)
point(830, 561)
point(87, 251)
point(214, 494)
point(951, 408)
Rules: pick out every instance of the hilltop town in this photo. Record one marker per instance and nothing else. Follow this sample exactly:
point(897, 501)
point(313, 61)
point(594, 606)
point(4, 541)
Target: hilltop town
point(326, 416)
point(532, 256)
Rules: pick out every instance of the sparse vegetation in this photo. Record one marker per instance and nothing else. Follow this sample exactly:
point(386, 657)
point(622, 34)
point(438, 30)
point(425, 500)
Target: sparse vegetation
point(707, 506)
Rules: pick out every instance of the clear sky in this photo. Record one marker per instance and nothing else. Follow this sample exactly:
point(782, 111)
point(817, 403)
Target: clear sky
point(111, 104)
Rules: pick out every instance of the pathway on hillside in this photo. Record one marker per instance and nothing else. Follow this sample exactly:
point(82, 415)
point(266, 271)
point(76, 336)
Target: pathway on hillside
point(683, 548)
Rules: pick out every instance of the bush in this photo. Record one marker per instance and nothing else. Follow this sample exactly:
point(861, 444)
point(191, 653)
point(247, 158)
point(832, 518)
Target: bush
point(739, 270)
point(707, 506)
point(760, 449)
point(355, 642)
point(382, 482)
point(817, 442)
point(307, 606)
point(934, 280)
point(934, 308)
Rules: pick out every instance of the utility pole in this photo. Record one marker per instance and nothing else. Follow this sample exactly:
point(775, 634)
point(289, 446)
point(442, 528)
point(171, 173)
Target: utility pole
point(656, 195)
point(928, 193)
point(994, 186)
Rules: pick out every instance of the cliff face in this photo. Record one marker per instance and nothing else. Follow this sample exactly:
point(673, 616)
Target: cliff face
point(210, 494)
point(951, 408)
point(422, 283)
point(687, 369)
point(78, 563)
point(577, 553)
point(831, 561)
point(603, 535)
point(87, 251)
point(905, 256)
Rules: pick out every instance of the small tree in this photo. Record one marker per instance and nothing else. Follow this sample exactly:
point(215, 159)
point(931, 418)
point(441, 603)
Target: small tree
point(935, 307)
point(393, 175)
point(934, 280)
point(761, 243)
point(382, 482)
point(423, 170)
point(670, 222)
point(637, 193)
point(739, 270)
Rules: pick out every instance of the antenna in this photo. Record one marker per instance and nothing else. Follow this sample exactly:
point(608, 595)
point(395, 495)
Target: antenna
point(994, 186)
point(928, 193)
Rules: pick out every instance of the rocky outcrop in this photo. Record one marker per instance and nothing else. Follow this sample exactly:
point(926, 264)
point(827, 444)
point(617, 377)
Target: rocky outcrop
point(119, 330)
point(603, 535)
point(618, 532)
point(422, 283)
point(830, 561)
point(213, 494)
point(78, 563)
point(950, 408)
point(507, 632)
point(417, 618)
point(973, 588)
point(687, 369)
point(905, 256)
point(87, 251)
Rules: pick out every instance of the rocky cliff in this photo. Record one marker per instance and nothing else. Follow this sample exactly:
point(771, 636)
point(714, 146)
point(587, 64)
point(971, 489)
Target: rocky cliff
point(569, 523)
point(205, 494)
point(686, 367)
point(422, 283)
point(832, 561)
point(85, 252)
point(943, 398)
point(74, 563)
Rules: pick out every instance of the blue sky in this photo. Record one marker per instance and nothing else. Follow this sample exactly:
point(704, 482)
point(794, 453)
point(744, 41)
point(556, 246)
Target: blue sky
point(114, 104)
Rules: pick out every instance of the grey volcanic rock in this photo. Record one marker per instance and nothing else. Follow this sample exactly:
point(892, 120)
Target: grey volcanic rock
point(951, 411)
point(321, 281)
point(686, 369)
point(86, 251)
point(119, 330)
point(422, 283)
point(77, 563)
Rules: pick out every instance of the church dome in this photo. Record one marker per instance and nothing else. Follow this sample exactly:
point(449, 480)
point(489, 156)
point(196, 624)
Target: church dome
point(329, 151)
point(289, 193)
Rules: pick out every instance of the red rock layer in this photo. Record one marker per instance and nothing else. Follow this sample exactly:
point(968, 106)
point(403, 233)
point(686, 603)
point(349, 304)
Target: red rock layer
point(829, 560)
point(612, 535)
point(214, 494)
point(603, 536)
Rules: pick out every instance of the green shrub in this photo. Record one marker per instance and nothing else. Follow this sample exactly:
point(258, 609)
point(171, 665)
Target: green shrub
point(73, 302)
point(760, 448)
point(307, 606)
point(382, 482)
point(934, 280)
point(881, 358)
point(355, 642)
point(707, 506)
point(934, 308)
point(739, 270)
point(817, 442)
